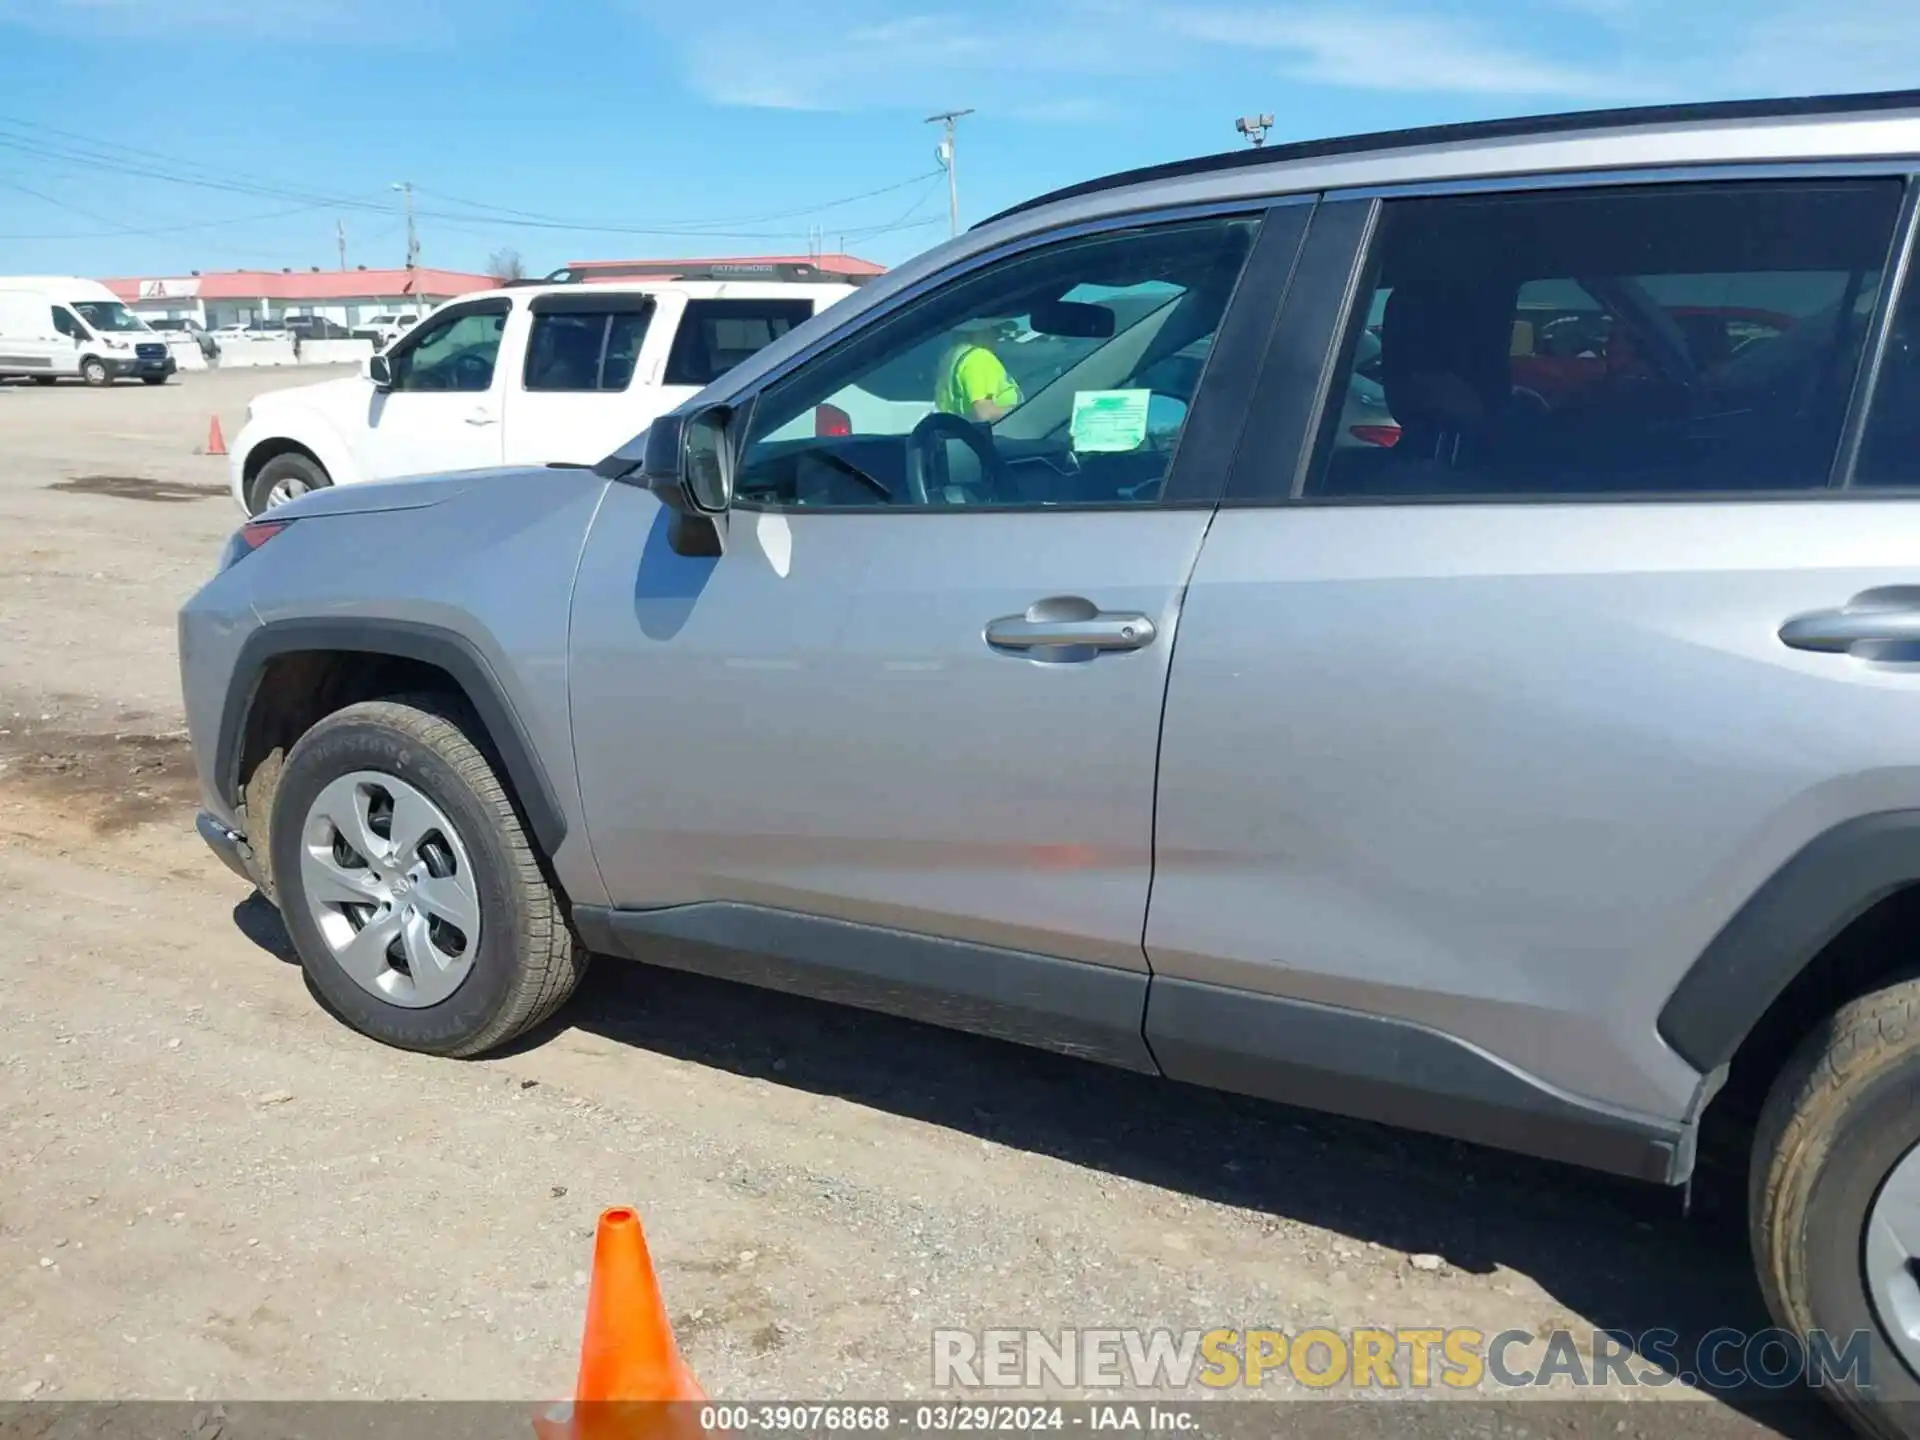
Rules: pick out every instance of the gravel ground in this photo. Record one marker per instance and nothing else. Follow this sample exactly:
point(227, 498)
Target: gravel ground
point(213, 1190)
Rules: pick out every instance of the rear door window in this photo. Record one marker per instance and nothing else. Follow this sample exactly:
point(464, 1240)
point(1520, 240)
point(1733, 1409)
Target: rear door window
point(1890, 451)
point(584, 347)
point(1639, 340)
point(716, 335)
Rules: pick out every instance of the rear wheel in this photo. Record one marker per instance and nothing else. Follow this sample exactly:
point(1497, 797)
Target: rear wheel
point(413, 895)
point(283, 478)
point(93, 370)
point(46, 379)
point(1834, 1208)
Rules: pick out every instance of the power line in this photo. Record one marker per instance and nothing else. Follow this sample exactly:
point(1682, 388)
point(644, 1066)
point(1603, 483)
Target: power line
point(691, 227)
point(99, 155)
point(118, 228)
point(72, 148)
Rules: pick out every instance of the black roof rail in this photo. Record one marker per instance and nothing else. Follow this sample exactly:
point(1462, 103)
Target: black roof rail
point(1470, 131)
point(792, 270)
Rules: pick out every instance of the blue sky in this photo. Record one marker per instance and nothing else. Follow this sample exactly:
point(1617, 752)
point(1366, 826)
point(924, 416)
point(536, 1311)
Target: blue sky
point(725, 129)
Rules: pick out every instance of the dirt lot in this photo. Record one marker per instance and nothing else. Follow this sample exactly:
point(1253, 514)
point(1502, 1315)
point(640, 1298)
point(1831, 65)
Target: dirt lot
point(211, 1189)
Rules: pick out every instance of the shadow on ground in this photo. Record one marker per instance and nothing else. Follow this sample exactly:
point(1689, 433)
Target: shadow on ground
point(1618, 1254)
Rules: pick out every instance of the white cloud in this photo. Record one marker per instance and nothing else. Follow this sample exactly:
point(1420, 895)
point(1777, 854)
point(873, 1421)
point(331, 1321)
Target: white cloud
point(199, 21)
point(869, 55)
point(1044, 59)
point(1376, 49)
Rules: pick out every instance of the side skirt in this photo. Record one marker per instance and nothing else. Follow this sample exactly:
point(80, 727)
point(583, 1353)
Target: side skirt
point(1298, 1053)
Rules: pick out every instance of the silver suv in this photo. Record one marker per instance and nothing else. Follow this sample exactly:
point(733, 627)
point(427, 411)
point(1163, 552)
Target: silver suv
point(1044, 641)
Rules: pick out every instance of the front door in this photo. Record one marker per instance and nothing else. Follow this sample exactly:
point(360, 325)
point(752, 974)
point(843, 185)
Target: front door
point(921, 688)
point(442, 411)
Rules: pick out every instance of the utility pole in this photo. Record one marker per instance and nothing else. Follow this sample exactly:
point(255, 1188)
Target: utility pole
point(945, 152)
point(413, 235)
point(1254, 128)
point(340, 237)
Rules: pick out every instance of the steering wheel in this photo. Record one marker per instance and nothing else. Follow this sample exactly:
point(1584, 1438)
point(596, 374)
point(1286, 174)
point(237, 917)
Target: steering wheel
point(471, 371)
point(927, 456)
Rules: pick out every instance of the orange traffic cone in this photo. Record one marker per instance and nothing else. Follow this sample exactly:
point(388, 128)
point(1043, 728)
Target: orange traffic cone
point(632, 1382)
point(216, 442)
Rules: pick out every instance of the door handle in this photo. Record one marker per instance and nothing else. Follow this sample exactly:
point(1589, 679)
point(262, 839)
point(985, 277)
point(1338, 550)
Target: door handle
point(1067, 627)
point(481, 417)
point(1873, 618)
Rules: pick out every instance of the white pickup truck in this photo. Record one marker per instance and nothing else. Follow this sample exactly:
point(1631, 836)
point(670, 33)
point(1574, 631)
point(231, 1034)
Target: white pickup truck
point(527, 375)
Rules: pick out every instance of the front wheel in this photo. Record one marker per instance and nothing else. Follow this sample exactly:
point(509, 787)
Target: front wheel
point(411, 891)
point(153, 379)
point(283, 478)
point(93, 370)
point(1834, 1205)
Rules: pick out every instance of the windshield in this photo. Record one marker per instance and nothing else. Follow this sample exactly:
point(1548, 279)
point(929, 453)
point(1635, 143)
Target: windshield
point(108, 315)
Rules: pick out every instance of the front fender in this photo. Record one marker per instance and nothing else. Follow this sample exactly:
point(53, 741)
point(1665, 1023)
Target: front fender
point(274, 428)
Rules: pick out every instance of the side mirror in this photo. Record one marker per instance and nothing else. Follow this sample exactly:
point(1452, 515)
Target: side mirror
point(689, 462)
point(380, 372)
point(688, 466)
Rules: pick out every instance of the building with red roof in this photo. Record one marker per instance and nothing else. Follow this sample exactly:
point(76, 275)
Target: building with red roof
point(227, 297)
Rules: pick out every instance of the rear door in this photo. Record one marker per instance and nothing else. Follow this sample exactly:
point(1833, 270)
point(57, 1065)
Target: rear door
point(1482, 719)
point(576, 394)
point(29, 344)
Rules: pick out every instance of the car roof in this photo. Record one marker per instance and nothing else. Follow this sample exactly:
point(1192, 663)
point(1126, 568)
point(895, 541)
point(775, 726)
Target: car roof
point(1884, 123)
point(698, 289)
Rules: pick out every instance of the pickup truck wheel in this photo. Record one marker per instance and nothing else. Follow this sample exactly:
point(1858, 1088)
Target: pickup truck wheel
point(46, 379)
point(412, 893)
point(153, 379)
point(283, 478)
point(93, 370)
point(1834, 1204)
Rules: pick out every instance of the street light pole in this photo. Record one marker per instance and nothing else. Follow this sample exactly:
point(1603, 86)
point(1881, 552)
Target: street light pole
point(946, 154)
point(413, 235)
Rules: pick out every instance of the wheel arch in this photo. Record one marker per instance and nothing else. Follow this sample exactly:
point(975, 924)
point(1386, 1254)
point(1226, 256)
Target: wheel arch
point(1828, 887)
point(300, 433)
point(1836, 920)
point(291, 673)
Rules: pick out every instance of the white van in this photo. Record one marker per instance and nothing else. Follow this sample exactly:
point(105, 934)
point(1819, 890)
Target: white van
point(60, 326)
point(526, 375)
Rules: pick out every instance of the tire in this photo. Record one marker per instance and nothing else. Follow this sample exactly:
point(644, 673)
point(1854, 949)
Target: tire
point(526, 961)
point(94, 371)
point(1841, 1116)
point(153, 379)
point(291, 475)
point(46, 379)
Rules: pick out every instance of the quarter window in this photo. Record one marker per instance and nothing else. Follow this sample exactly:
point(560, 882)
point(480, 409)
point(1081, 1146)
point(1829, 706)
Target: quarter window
point(1061, 376)
point(455, 351)
point(1631, 341)
point(716, 335)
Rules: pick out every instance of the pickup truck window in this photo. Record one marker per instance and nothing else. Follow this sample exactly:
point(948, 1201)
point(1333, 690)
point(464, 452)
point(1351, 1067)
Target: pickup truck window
point(716, 335)
point(454, 351)
point(591, 350)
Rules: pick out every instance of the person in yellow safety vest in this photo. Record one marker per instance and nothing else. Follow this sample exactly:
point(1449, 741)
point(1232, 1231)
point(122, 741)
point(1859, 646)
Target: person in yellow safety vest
point(972, 380)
